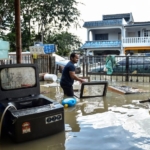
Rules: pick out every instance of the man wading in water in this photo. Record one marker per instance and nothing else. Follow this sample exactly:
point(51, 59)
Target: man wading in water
point(68, 76)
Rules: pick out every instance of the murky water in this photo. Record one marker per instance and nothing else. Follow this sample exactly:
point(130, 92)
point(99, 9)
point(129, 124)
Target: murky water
point(114, 122)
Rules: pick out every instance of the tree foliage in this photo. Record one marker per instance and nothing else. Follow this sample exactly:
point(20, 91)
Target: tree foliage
point(39, 19)
point(65, 42)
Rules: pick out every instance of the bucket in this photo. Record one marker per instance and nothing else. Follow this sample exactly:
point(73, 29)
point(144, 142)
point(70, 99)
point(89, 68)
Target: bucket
point(51, 77)
point(69, 102)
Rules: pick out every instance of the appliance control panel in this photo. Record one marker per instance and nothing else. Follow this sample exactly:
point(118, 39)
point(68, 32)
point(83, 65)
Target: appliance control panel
point(53, 118)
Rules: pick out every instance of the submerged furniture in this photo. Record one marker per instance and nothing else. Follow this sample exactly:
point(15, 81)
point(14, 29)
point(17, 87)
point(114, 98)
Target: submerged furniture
point(92, 89)
point(29, 114)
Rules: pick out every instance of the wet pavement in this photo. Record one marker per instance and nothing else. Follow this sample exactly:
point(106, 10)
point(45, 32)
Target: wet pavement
point(114, 122)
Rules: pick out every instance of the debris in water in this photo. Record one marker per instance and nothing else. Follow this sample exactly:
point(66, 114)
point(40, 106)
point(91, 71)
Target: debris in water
point(126, 89)
point(44, 92)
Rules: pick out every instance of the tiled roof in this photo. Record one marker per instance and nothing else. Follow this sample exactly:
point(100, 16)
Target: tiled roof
point(126, 16)
point(101, 44)
point(103, 23)
point(143, 22)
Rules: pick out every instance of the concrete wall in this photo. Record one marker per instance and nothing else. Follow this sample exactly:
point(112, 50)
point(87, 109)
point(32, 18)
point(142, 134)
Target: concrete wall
point(112, 34)
point(133, 32)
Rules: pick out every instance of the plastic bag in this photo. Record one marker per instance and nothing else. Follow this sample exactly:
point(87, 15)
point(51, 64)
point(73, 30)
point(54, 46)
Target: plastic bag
point(105, 69)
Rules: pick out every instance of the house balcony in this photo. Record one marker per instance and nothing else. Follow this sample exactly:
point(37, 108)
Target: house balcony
point(136, 42)
point(101, 44)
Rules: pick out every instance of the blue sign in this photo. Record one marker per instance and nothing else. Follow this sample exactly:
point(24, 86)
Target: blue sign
point(49, 48)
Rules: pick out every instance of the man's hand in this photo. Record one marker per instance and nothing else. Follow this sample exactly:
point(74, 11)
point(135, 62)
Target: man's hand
point(82, 80)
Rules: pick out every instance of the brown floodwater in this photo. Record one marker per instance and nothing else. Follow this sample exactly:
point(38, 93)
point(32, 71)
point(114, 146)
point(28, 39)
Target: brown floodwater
point(114, 122)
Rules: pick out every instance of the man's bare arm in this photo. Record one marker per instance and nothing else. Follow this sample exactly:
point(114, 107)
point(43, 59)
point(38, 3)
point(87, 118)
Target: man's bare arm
point(73, 76)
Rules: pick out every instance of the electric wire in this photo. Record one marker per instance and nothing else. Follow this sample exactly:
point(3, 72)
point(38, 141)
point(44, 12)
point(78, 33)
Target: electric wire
point(1, 121)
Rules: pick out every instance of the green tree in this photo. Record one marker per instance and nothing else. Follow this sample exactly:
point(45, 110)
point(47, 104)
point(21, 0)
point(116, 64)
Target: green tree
point(39, 18)
point(65, 42)
point(7, 28)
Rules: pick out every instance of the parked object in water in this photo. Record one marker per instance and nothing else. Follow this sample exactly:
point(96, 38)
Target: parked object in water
point(27, 113)
point(92, 89)
point(69, 102)
point(135, 64)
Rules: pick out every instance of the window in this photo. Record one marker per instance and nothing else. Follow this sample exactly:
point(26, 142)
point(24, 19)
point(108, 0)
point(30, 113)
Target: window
point(101, 36)
point(146, 33)
point(16, 78)
point(138, 33)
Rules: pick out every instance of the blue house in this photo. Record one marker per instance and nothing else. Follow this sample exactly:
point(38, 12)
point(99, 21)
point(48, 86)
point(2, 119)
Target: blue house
point(117, 34)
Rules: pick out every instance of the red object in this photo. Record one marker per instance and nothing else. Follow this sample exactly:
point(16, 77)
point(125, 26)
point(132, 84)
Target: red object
point(26, 127)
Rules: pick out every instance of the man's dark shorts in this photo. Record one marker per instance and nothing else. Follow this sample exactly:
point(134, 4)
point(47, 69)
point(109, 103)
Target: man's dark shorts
point(68, 90)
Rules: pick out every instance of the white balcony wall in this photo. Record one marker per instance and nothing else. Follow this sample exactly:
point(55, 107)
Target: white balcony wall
point(112, 36)
point(136, 41)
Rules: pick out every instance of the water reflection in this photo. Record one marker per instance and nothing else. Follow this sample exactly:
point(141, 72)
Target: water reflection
point(54, 142)
point(94, 105)
point(111, 131)
point(114, 122)
point(109, 138)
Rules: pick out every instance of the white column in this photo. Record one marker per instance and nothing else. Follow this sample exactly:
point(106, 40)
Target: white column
point(93, 38)
point(87, 52)
point(141, 33)
point(122, 51)
point(124, 33)
point(88, 36)
point(122, 36)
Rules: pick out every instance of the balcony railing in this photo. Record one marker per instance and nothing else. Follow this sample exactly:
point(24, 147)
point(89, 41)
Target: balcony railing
point(101, 44)
point(136, 41)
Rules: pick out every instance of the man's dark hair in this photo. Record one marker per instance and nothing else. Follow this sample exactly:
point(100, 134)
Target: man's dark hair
point(72, 55)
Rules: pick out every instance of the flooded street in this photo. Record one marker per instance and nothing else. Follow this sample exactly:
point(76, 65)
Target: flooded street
point(114, 122)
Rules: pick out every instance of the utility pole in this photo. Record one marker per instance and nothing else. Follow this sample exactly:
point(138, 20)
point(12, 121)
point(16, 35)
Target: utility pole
point(18, 31)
